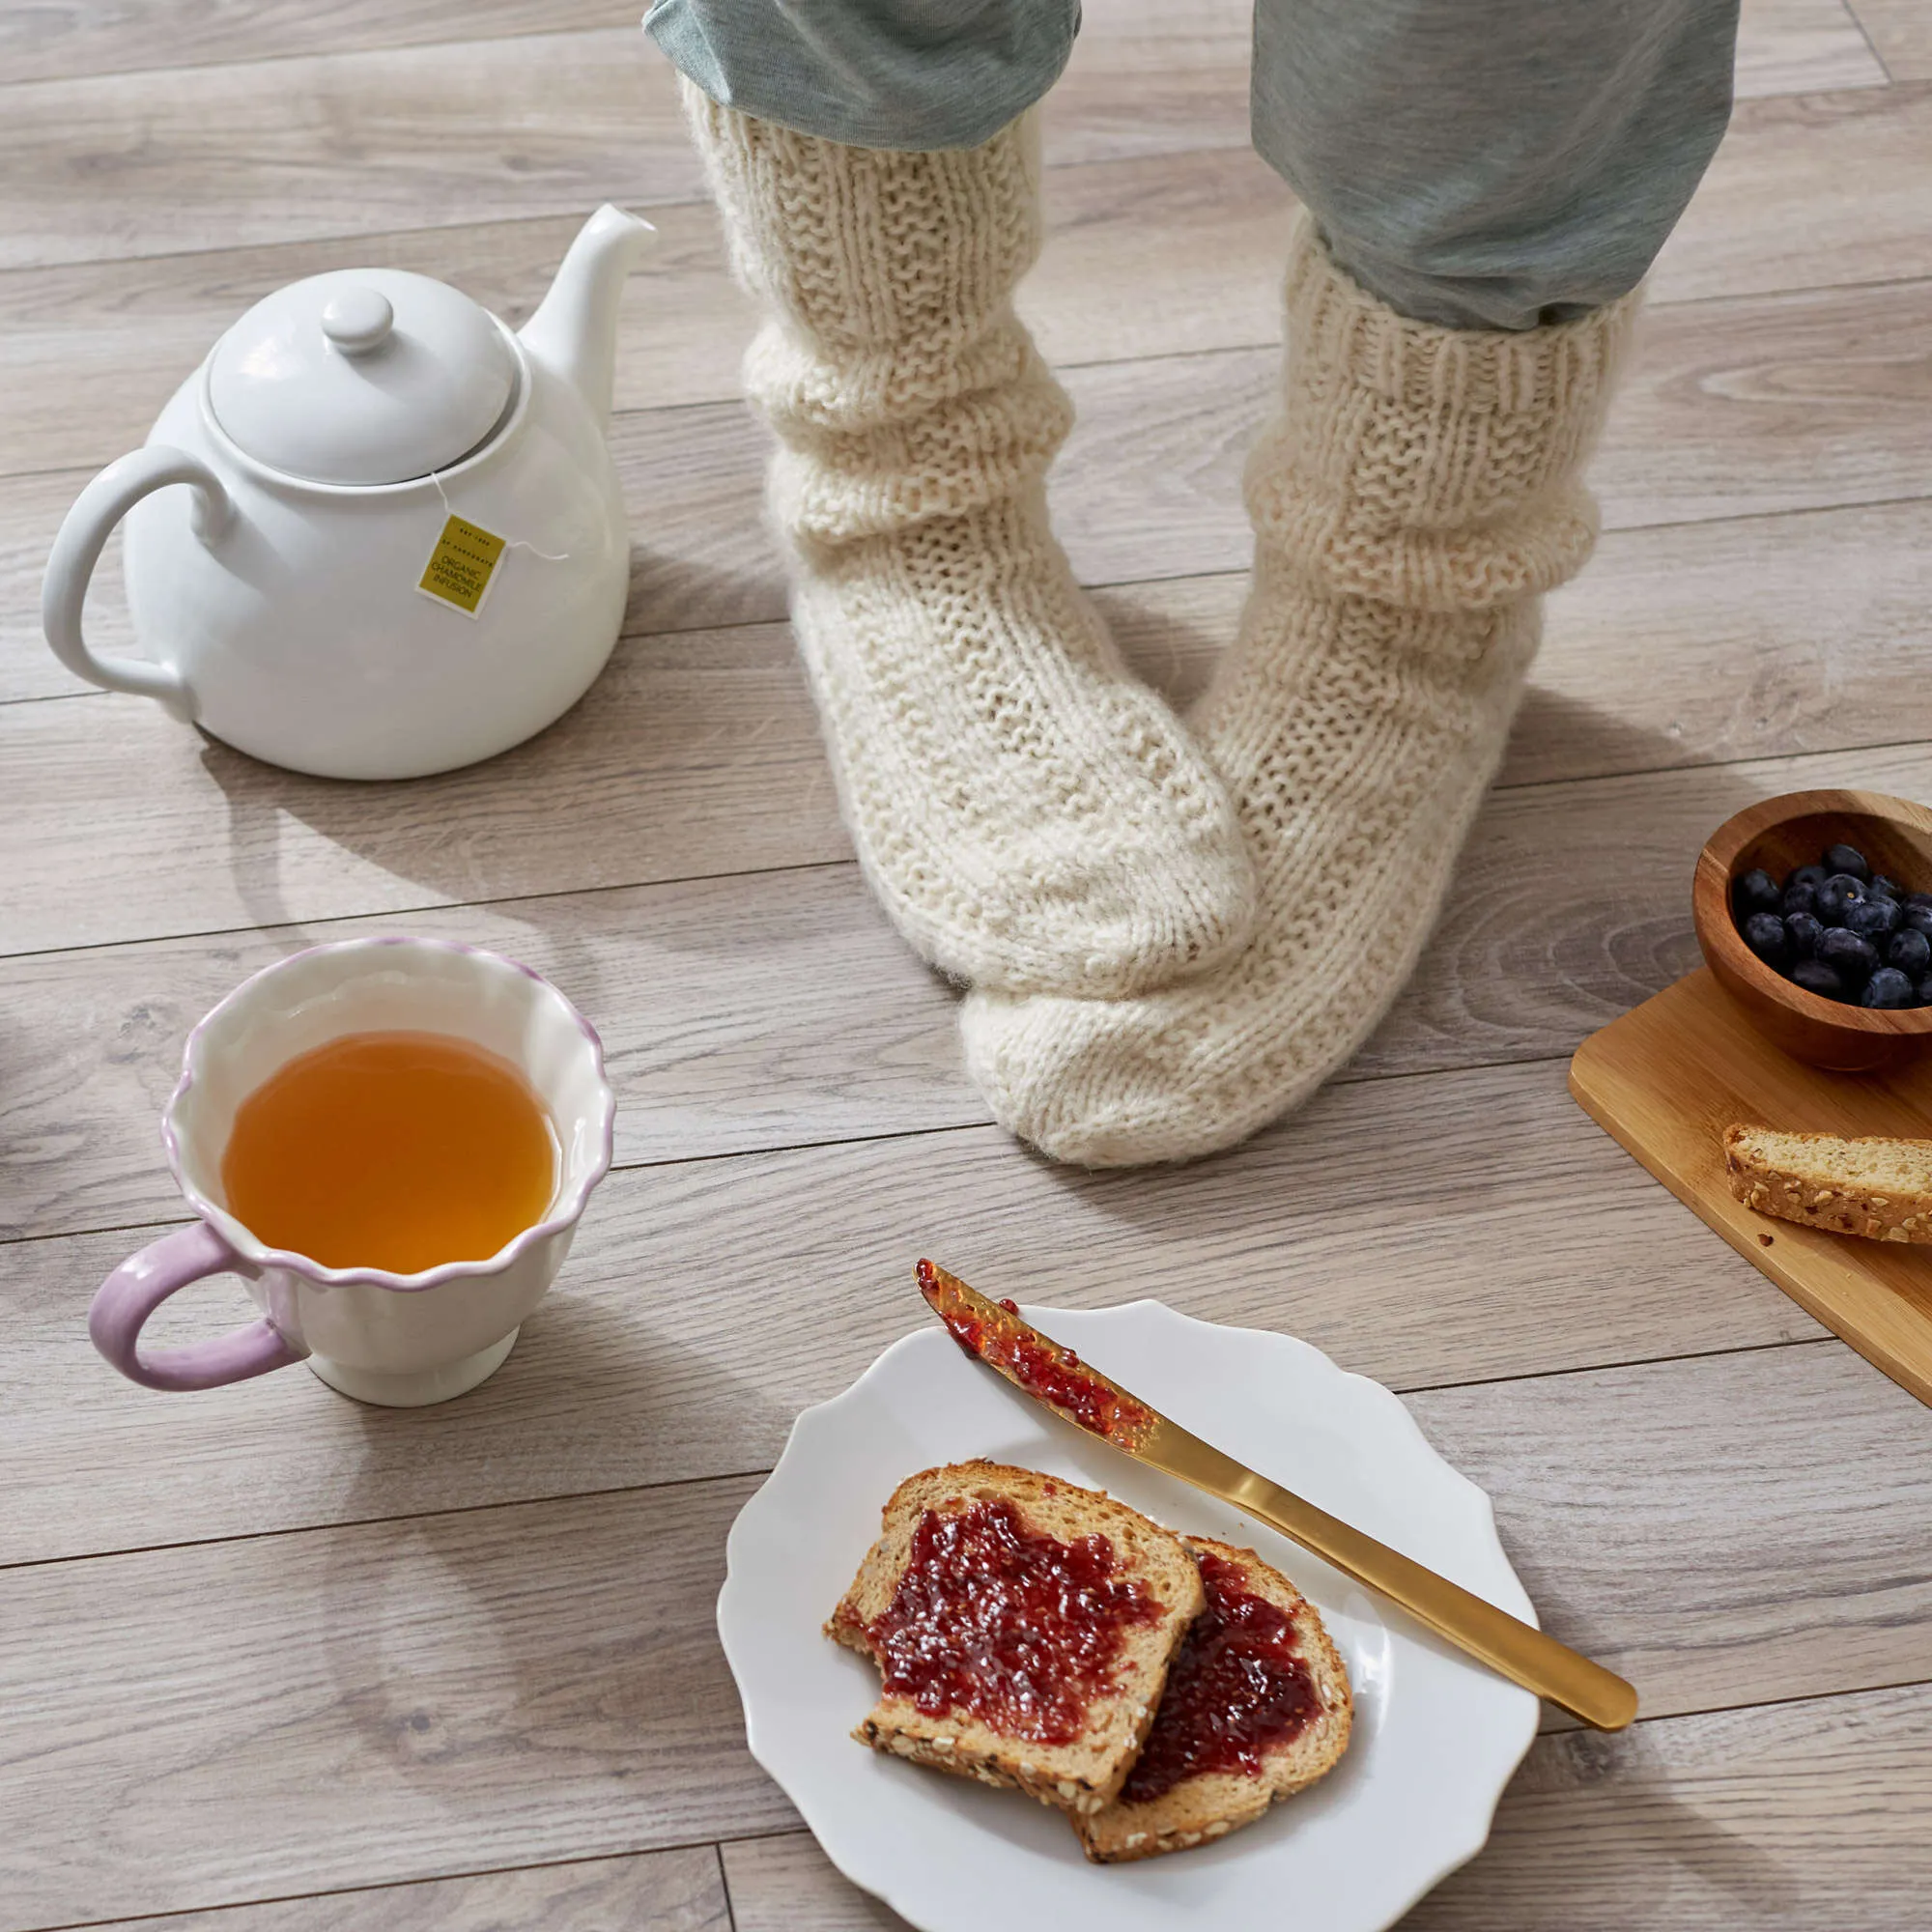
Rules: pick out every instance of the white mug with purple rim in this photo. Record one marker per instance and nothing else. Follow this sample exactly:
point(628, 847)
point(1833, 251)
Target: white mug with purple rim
point(397, 1340)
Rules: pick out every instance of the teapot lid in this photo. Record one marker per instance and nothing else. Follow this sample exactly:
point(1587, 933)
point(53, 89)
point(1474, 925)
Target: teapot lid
point(361, 376)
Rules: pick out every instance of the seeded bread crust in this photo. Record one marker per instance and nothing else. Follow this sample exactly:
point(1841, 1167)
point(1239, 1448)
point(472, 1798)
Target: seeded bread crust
point(1879, 1189)
point(1086, 1773)
point(1209, 1806)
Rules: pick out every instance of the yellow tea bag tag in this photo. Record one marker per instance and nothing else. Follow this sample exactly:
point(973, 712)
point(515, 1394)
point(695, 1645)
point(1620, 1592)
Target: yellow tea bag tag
point(462, 566)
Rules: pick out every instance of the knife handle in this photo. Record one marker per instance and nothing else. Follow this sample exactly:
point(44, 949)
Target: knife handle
point(1520, 1651)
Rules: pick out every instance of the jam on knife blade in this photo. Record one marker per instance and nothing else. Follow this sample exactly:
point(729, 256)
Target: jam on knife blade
point(995, 1334)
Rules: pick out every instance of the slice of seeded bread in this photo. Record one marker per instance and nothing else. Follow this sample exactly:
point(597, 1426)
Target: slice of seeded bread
point(1879, 1188)
point(1085, 1773)
point(1210, 1804)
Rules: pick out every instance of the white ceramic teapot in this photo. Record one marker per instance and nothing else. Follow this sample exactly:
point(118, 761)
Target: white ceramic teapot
point(401, 545)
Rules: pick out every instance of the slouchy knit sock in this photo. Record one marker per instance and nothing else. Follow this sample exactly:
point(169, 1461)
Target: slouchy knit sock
point(1029, 814)
point(1414, 495)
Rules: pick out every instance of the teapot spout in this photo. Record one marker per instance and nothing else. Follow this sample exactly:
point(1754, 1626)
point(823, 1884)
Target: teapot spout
point(574, 333)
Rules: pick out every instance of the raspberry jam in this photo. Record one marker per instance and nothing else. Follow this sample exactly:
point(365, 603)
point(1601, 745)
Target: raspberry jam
point(1040, 1365)
point(993, 1622)
point(1238, 1689)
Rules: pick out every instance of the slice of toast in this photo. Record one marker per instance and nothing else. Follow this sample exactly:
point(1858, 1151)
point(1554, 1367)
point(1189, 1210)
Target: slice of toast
point(1075, 1753)
point(1184, 1806)
point(1881, 1189)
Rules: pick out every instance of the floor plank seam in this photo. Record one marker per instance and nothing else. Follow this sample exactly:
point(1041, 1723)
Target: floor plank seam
point(1408, 1389)
point(159, 69)
point(980, 1125)
point(378, 1885)
point(430, 905)
point(1871, 45)
point(376, 1522)
point(642, 640)
point(1402, 1390)
point(725, 1885)
point(1522, 789)
point(11, 88)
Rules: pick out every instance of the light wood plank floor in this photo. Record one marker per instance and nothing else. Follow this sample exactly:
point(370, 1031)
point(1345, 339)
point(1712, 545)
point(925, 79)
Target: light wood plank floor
point(271, 1663)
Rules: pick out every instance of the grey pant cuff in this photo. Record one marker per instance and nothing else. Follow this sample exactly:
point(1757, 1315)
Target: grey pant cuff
point(908, 75)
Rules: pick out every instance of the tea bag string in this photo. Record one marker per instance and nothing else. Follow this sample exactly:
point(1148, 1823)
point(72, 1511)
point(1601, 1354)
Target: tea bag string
point(510, 543)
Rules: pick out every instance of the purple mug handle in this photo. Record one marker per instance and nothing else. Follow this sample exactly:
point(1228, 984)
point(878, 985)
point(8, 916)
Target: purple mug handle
point(140, 1285)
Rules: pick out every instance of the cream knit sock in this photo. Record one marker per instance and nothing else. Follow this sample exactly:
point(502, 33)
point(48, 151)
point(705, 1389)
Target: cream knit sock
point(1031, 816)
point(1414, 495)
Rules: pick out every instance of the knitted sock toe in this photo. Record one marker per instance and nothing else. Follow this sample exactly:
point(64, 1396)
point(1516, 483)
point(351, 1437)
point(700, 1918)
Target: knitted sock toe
point(1029, 815)
point(1417, 493)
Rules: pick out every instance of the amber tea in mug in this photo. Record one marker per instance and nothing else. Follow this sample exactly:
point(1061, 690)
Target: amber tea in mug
point(392, 1150)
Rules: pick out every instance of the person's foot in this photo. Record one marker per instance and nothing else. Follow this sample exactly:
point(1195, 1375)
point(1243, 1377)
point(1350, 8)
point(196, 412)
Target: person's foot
point(1031, 816)
point(1414, 497)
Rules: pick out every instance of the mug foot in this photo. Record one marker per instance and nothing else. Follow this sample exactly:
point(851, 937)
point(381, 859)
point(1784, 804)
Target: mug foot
point(417, 1387)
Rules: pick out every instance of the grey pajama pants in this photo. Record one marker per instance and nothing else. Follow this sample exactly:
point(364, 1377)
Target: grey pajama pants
point(1479, 163)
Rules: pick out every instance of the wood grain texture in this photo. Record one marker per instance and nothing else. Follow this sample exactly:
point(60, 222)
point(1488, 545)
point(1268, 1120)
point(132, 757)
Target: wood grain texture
point(657, 1892)
point(1766, 405)
point(81, 384)
point(332, 143)
point(124, 165)
point(1511, 1250)
point(1801, 46)
point(1900, 33)
point(1148, 489)
point(1783, 46)
point(1576, 898)
point(776, 1010)
point(630, 786)
point(1805, 193)
point(1803, 1817)
point(363, 1705)
point(1763, 405)
point(539, 1682)
point(568, 812)
point(56, 39)
point(1815, 191)
point(758, 1011)
point(1738, 1543)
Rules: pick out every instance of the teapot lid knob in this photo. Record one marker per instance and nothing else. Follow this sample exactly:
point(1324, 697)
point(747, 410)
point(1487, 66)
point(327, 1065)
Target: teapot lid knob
point(358, 320)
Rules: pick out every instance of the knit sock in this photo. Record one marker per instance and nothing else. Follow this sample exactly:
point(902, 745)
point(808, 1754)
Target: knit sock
point(1030, 814)
point(1414, 495)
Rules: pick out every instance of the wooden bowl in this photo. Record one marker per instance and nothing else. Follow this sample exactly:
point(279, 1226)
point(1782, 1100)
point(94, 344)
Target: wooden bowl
point(1777, 834)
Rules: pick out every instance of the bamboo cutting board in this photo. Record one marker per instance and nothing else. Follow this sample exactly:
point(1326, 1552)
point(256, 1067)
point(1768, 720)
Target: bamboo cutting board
point(1666, 1080)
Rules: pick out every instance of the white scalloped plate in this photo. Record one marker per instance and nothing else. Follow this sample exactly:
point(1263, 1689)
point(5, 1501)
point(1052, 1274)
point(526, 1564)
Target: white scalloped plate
point(1436, 1736)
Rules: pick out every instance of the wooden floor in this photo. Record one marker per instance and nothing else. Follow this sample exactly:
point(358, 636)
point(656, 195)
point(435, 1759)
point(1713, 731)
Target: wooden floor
point(270, 1662)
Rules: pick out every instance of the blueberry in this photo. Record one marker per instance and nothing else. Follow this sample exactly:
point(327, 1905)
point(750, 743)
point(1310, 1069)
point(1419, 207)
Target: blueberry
point(1813, 876)
point(1815, 977)
point(1887, 988)
point(1799, 898)
point(1921, 901)
point(1835, 896)
point(1766, 936)
point(1801, 930)
point(1918, 917)
point(1910, 952)
point(1847, 859)
point(1755, 891)
point(1926, 990)
point(1853, 959)
point(1872, 919)
point(1881, 888)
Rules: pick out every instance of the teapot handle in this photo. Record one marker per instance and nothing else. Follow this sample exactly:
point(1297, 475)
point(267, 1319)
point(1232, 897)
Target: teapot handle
point(84, 534)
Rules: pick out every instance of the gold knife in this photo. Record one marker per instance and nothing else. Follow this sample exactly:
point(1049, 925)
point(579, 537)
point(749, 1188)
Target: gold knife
point(1039, 1367)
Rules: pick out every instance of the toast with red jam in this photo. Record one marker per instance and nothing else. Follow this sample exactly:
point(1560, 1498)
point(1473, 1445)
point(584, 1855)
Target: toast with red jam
point(1022, 1627)
point(1257, 1707)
